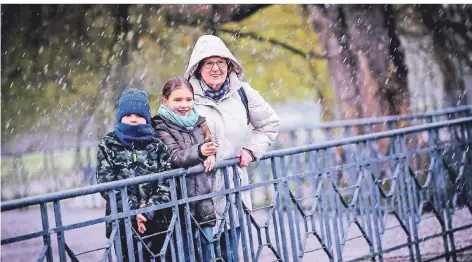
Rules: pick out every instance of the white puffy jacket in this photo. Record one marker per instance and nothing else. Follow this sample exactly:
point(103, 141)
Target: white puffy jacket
point(227, 117)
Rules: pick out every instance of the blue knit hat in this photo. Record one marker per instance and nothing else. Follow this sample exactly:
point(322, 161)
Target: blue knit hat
point(133, 101)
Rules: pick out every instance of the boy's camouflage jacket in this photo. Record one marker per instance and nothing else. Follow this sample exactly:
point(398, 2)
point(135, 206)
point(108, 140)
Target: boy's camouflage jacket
point(116, 161)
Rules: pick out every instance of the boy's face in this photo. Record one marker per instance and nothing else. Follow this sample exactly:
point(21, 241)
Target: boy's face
point(133, 119)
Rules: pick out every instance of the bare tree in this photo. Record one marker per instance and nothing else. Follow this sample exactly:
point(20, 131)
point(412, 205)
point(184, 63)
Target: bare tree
point(364, 58)
point(451, 28)
point(328, 23)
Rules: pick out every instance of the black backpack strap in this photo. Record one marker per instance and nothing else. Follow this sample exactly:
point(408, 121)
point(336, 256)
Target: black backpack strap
point(243, 96)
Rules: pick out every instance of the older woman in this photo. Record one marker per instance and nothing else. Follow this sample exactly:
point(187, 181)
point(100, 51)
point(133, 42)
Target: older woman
point(230, 105)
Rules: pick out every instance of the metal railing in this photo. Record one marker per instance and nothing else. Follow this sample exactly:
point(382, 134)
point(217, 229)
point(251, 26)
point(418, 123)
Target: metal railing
point(331, 221)
point(31, 173)
point(308, 133)
point(315, 133)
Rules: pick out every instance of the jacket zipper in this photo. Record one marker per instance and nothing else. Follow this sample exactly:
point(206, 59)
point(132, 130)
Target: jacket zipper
point(134, 156)
point(134, 160)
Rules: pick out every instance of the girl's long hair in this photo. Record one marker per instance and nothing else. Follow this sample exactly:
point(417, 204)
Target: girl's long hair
point(174, 83)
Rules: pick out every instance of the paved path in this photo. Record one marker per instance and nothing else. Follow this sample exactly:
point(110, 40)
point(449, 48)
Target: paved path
point(26, 221)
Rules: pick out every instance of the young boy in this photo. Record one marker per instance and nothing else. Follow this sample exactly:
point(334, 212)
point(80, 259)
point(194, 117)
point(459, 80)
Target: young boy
point(132, 150)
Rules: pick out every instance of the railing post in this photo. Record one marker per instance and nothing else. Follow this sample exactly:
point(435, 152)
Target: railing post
point(376, 207)
point(128, 224)
point(295, 161)
point(348, 152)
point(116, 224)
point(409, 218)
point(324, 209)
point(291, 225)
point(326, 233)
point(334, 209)
point(407, 195)
point(188, 222)
point(278, 193)
point(467, 134)
point(233, 255)
point(364, 203)
point(238, 197)
point(441, 193)
point(414, 147)
point(60, 235)
point(410, 184)
point(401, 179)
point(47, 236)
point(175, 211)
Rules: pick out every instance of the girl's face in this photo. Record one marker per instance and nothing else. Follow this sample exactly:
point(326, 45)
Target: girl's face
point(133, 119)
point(180, 101)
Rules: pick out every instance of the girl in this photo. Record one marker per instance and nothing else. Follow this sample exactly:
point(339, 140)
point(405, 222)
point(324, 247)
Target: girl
point(189, 141)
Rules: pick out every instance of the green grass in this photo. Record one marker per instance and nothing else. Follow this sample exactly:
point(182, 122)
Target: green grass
point(38, 165)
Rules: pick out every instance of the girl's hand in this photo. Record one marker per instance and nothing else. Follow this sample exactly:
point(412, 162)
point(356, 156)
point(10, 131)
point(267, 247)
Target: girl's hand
point(208, 149)
point(140, 219)
point(209, 163)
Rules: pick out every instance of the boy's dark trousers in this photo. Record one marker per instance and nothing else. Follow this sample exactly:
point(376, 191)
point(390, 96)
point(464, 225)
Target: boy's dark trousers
point(154, 243)
point(124, 243)
point(224, 251)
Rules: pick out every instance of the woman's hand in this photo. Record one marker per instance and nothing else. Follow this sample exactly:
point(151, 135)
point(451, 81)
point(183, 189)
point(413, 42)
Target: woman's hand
point(140, 219)
point(209, 163)
point(208, 149)
point(244, 158)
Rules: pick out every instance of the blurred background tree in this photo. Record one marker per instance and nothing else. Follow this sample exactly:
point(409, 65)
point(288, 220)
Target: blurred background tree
point(63, 66)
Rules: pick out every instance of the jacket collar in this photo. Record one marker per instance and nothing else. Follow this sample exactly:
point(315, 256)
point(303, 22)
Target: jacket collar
point(112, 139)
point(235, 84)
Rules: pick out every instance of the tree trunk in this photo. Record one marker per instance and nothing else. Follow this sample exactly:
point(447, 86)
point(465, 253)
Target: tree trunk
point(365, 60)
point(399, 91)
point(452, 35)
point(328, 23)
point(373, 42)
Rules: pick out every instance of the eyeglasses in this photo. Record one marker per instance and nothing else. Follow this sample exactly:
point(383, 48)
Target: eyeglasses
point(219, 63)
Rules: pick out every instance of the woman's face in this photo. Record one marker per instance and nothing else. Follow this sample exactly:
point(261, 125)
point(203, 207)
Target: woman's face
point(180, 101)
point(133, 119)
point(214, 71)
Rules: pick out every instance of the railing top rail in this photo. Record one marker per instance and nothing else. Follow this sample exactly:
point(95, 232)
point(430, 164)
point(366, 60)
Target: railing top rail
point(364, 138)
point(55, 196)
point(379, 120)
